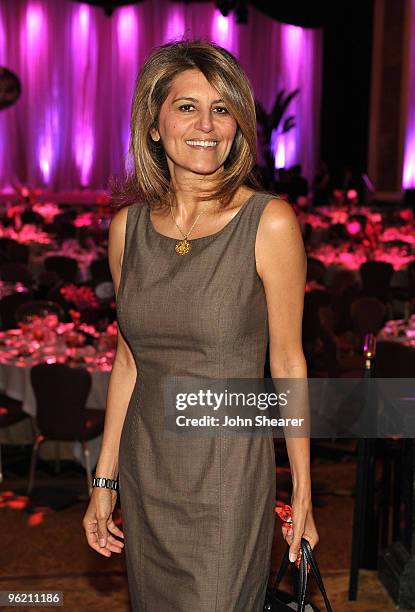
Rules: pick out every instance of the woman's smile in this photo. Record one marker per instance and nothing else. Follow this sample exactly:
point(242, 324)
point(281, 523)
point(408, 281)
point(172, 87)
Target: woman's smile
point(202, 145)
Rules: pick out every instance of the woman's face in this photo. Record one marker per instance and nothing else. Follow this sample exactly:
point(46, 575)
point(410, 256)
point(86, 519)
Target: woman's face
point(193, 112)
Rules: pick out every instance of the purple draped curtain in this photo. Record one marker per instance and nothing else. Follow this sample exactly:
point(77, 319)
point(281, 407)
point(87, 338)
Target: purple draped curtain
point(408, 181)
point(77, 67)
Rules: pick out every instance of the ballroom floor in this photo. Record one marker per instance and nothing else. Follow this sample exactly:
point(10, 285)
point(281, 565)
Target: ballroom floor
point(43, 545)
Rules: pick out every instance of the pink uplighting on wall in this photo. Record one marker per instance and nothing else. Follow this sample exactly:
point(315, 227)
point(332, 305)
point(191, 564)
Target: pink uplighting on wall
point(84, 50)
point(175, 26)
point(77, 67)
point(408, 176)
point(126, 66)
point(224, 32)
point(3, 125)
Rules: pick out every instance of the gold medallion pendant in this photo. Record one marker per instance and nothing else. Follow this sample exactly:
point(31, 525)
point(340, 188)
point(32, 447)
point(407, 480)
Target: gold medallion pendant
point(182, 247)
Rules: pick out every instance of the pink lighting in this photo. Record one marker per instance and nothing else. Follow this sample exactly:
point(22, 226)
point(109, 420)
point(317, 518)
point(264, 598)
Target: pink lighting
point(353, 227)
point(127, 29)
point(34, 24)
point(47, 137)
point(84, 51)
point(83, 19)
point(222, 24)
point(3, 116)
point(127, 37)
point(77, 67)
point(408, 177)
point(175, 27)
point(2, 39)
point(224, 31)
point(279, 148)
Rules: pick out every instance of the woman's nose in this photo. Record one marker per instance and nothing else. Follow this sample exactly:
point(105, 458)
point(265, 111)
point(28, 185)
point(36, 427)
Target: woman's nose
point(205, 120)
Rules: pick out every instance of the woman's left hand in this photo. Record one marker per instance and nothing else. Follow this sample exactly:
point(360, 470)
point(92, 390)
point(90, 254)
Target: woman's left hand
point(302, 526)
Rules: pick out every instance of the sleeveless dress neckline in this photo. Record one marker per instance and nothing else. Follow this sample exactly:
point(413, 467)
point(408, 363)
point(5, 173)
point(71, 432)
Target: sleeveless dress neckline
point(209, 236)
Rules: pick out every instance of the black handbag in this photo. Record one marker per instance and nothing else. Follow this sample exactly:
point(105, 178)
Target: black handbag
point(280, 601)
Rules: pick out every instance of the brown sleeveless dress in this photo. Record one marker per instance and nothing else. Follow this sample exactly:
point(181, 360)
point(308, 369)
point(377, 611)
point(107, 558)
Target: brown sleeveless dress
point(198, 513)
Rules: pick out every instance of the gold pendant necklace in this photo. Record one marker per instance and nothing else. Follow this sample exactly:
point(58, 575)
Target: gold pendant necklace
point(183, 247)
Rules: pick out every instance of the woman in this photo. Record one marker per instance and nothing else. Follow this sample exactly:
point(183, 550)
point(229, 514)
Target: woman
point(205, 268)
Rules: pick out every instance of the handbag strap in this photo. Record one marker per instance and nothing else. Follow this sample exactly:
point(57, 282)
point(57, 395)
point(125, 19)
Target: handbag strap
point(283, 568)
point(309, 557)
point(301, 582)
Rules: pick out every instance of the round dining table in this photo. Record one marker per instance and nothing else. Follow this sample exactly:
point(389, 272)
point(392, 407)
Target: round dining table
point(15, 367)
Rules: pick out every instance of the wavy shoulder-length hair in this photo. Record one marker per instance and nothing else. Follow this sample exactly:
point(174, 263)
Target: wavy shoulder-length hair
point(148, 177)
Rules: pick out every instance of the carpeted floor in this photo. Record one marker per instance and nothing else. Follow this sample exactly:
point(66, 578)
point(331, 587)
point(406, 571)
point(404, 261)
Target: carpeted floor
point(44, 547)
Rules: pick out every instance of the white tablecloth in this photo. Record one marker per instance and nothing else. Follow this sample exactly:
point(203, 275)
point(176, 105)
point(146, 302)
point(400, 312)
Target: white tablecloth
point(15, 382)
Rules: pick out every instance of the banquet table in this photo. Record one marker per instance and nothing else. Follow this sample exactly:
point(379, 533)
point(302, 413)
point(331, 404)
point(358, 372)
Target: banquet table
point(399, 330)
point(70, 248)
point(343, 258)
point(15, 368)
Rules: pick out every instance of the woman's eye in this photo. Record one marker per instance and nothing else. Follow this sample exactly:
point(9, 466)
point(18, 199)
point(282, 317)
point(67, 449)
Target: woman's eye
point(185, 108)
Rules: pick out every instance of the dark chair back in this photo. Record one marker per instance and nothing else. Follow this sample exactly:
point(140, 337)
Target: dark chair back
point(376, 278)
point(411, 279)
point(65, 267)
point(316, 270)
point(100, 271)
point(8, 306)
point(367, 315)
point(40, 308)
point(61, 393)
point(32, 218)
point(17, 252)
point(394, 360)
point(16, 273)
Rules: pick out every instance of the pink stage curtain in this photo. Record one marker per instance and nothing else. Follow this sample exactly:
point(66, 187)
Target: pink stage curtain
point(70, 127)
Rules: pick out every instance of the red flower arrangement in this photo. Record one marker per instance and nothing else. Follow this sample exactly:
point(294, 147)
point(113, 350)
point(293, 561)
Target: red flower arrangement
point(83, 297)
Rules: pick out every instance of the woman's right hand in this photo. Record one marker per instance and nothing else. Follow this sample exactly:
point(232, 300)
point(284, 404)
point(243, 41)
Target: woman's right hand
point(98, 522)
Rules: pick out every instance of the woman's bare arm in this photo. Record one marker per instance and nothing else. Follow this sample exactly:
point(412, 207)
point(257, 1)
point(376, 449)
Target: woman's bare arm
point(281, 264)
point(124, 372)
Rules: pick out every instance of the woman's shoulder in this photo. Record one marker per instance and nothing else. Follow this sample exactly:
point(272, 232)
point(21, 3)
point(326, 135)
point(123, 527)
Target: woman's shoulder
point(277, 216)
point(118, 224)
point(119, 218)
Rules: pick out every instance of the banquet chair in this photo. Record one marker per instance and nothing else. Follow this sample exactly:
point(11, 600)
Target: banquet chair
point(411, 279)
point(100, 271)
point(40, 308)
point(65, 267)
point(394, 360)
point(8, 306)
point(16, 273)
point(17, 252)
point(376, 279)
point(61, 393)
point(367, 314)
point(32, 218)
point(380, 491)
point(4, 243)
point(316, 270)
point(344, 280)
point(10, 413)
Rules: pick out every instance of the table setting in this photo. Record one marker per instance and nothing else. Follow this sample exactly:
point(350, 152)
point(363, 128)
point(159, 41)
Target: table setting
point(46, 340)
point(399, 330)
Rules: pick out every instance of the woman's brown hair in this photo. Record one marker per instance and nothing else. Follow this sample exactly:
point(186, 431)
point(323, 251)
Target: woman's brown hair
point(148, 178)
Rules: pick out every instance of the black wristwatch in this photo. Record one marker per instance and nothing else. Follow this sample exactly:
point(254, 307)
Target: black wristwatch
point(106, 483)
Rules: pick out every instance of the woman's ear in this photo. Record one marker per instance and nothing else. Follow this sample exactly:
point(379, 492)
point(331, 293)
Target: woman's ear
point(154, 134)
